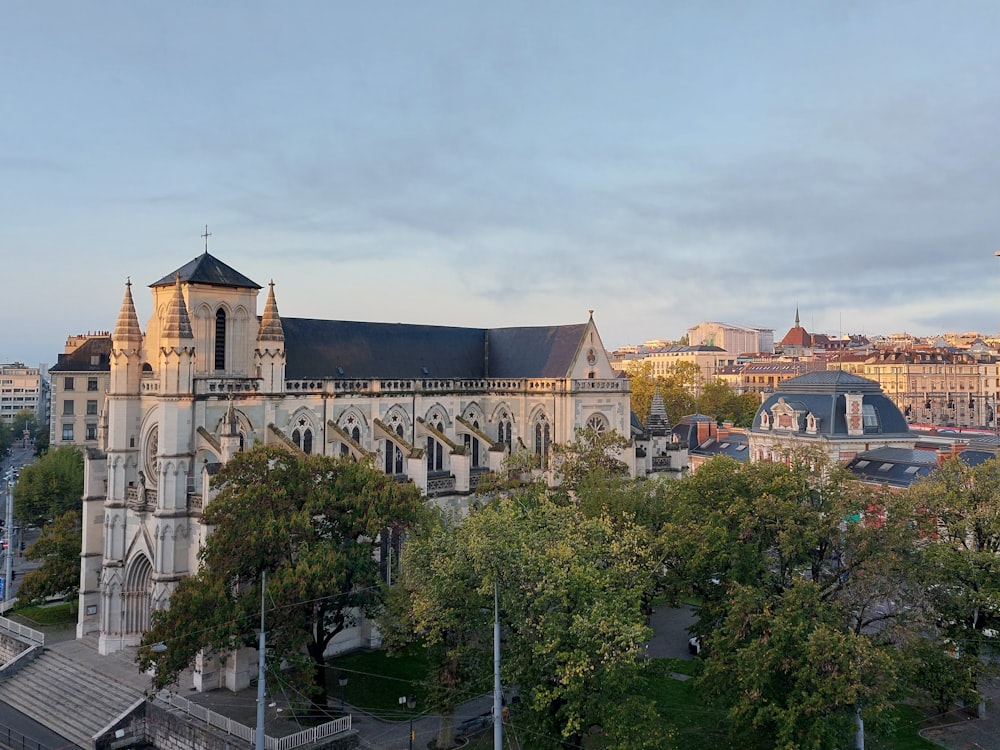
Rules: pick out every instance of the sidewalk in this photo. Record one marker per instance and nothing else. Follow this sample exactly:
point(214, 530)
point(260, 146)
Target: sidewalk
point(969, 733)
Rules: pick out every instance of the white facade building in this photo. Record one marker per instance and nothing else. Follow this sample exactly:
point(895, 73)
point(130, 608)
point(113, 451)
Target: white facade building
point(434, 405)
point(734, 339)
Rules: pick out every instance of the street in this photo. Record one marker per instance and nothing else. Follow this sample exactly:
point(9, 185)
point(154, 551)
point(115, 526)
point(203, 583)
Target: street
point(21, 539)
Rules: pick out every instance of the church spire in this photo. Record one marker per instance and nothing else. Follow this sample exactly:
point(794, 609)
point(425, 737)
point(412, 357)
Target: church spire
point(270, 321)
point(127, 331)
point(658, 423)
point(797, 325)
point(176, 322)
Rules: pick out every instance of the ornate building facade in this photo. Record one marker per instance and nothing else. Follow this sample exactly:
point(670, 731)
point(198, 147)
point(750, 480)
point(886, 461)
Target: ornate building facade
point(438, 406)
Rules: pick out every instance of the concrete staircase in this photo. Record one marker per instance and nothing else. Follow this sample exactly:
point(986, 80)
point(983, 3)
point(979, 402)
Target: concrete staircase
point(67, 696)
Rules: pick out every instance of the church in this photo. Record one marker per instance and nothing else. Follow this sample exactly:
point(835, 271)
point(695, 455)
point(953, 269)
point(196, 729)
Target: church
point(434, 405)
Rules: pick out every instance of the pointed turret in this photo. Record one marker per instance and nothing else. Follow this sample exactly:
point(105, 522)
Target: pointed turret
point(269, 357)
point(270, 321)
point(126, 355)
point(797, 325)
point(229, 439)
point(657, 423)
point(177, 347)
point(176, 322)
point(127, 334)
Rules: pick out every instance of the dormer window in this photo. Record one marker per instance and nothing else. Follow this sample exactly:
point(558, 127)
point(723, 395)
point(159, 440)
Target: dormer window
point(869, 418)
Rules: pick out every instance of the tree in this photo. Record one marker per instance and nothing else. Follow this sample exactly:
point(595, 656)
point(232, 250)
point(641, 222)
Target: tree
point(49, 487)
point(804, 580)
point(437, 601)
point(571, 595)
point(312, 524)
point(58, 547)
point(719, 400)
point(591, 455)
point(25, 419)
point(960, 564)
point(571, 589)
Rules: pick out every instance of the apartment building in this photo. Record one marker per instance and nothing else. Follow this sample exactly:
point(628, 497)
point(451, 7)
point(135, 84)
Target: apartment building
point(21, 388)
point(939, 386)
point(79, 382)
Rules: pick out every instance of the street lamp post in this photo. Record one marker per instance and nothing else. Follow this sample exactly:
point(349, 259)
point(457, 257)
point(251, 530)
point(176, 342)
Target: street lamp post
point(410, 701)
point(342, 682)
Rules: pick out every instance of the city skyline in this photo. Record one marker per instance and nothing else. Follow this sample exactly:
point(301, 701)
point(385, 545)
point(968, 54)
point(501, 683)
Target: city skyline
point(450, 164)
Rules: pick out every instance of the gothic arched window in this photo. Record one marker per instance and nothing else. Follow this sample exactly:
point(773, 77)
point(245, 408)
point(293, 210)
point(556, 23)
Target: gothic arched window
point(220, 339)
point(543, 436)
point(435, 451)
point(504, 431)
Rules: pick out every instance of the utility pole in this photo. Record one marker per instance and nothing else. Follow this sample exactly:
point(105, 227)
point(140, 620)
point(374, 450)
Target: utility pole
point(8, 533)
point(497, 689)
point(260, 671)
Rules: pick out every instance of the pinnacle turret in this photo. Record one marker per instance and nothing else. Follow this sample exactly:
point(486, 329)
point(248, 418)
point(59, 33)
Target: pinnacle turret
point(176, 322)
point(657, 423)
point(127, 333)
point(270, 321)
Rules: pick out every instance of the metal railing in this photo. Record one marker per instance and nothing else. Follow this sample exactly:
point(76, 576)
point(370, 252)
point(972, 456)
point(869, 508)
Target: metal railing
point(23, 631)
point(248, 734)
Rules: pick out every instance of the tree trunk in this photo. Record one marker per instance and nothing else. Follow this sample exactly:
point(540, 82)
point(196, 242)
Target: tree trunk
point(446, 730)
point(319, 696)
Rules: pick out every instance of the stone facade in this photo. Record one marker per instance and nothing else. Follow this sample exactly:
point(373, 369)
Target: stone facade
point(436, 406)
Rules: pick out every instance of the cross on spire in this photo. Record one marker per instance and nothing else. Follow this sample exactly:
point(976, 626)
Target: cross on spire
point(206, 236)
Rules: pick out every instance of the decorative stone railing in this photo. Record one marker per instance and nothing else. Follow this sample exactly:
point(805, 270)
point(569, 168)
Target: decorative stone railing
point(140, 501)
point(227, 385)
point(454, 385)
point(437, 485)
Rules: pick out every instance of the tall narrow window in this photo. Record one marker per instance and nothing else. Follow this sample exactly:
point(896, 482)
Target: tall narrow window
point(435, 451)
point(220, 339)
point(307, 442)
point(504, 432)
point(543, 437)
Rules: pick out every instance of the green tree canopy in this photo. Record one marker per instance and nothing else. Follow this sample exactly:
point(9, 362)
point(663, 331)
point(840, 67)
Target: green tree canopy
point(803, 577)
point(58, 548)
point(719, 400)
point(312, 523)
point(591, 456)
point(571, 589)
point(960, 565)
point(49, 487)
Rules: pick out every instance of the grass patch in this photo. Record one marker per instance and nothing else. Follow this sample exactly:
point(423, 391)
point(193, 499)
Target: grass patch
point(909, 721)
point(376, 680)
point(48, 614)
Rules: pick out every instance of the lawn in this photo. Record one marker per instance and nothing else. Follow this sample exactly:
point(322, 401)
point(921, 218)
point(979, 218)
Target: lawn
point(377, 680)
point(47, 614)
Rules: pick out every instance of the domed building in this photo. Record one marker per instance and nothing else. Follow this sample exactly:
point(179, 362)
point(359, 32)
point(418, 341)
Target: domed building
point(838, 412)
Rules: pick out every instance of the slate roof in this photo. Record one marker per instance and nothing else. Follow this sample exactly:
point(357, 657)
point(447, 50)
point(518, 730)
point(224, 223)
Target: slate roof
point(207, 269)
point(82, 358)
point(533, 352)
point(349, 349)
point(734, 445)
point(822, 393)
point(896, 467)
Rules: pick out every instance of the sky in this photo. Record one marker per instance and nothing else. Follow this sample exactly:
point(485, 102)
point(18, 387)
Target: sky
point(505, 164)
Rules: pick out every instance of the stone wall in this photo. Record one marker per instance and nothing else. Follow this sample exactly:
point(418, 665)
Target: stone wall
point(10, 647)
